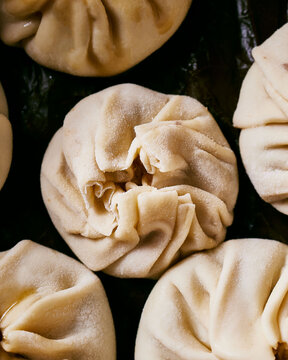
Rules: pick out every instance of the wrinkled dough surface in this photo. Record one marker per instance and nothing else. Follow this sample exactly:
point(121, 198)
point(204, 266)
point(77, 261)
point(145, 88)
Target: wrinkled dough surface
point(52, 307)
point(136, 179)
point(5, 139)
point(222, 304)
point(262, 114)
point(94, 37)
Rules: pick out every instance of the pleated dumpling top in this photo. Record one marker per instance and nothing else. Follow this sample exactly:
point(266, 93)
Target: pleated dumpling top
point(136, 179)
point(90, 37)
point(52, 307)
point(227, 303)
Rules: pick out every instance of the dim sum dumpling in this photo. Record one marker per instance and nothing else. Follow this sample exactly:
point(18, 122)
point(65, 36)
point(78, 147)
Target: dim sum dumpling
point(262, 115)
point(93, 37)
point(5, 139)
point(136, 179)
point(52, 307)
point(227, 303)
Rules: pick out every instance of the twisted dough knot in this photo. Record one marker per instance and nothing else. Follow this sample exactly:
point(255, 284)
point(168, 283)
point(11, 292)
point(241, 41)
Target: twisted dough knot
point(135, 180)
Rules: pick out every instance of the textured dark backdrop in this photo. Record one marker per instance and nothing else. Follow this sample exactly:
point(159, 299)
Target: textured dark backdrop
point(207, 58)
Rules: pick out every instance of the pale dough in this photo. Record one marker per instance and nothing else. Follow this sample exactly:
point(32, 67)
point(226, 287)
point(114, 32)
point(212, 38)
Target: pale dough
point(227, 303)
point(90, 37)
point(262, 116)
point(136, 179)
point(52, 307)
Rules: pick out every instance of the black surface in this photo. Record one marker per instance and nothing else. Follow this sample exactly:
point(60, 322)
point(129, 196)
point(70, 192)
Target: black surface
point(207, 58)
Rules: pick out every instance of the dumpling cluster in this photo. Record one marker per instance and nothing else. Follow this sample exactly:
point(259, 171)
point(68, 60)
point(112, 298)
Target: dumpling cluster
point(227, 303)
point(262, 114)
point(90, 38)
point(52, 307)
point(135, 180)
point(5, 139)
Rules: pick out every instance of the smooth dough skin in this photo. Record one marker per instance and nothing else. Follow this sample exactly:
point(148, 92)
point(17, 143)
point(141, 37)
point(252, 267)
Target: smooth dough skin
point(262, 114)
point(5, 139)
point(229, 303)
point(135, 180)
point(90, 37)
point(52, 307)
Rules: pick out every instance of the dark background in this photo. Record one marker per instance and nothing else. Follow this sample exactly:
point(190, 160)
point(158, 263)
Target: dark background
point(207, 59)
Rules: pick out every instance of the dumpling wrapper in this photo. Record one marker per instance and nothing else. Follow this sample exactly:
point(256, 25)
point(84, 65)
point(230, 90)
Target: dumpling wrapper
point(93, 37)
point(52, 307)
point(229, 303)
point(135, 180)
point(262, 114)
point(5, 139)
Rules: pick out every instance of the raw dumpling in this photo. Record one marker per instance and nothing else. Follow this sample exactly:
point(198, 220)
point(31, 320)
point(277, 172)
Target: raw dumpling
point(5, 139)
point(136, 179)
point(227, 303)
point(52, 307)
point(93, 37)
point(262, 114)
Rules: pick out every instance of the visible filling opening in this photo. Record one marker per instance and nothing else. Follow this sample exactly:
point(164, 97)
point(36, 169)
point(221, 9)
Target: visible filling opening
point(281, 353)
point(139, 175)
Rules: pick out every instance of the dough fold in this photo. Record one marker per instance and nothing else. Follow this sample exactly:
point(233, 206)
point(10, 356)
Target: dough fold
point(52, 307)
point(262, 116)
point(135, 180)
point(226, 303)
point(90, 37)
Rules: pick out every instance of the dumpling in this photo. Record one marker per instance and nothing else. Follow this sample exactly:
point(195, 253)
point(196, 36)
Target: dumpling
point(52, 307)
point(5, 139)
point(136, 179)
point(227, 303)
point(93, 37)
point(262, 114)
